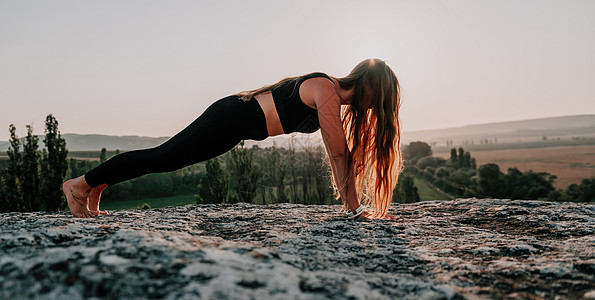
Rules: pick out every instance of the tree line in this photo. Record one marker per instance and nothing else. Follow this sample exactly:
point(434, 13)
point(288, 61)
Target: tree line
point(33, 179)
point(459, 176)
point(267, 175)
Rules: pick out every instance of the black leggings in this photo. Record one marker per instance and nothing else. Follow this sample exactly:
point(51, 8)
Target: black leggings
point(222, 126)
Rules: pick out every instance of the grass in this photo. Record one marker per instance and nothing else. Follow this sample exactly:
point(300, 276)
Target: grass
point(153, 202)
point(427, 192)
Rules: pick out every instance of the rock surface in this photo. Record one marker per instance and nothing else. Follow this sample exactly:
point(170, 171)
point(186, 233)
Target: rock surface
point(461, 249)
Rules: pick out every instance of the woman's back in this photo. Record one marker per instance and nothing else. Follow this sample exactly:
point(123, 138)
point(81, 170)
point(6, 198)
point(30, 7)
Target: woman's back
point(294, 114)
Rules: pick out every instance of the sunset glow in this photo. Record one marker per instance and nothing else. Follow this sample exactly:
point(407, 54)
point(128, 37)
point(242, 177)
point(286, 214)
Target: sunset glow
point(150, 68)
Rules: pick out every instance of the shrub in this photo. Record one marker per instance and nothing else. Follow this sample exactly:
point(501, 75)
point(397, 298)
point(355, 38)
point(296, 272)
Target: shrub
point(460, 177)
point(442, 172)
point(431, 170)
point(430, 161)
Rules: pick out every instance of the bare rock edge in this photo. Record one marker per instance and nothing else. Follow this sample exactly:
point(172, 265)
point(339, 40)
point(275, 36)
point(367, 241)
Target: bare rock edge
point(460, 249)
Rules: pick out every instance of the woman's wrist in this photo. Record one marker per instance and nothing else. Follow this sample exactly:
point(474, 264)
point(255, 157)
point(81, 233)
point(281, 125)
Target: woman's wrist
point(354, 214)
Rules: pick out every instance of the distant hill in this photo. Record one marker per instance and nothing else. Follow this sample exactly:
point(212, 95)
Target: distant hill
point(90, 142)
point(568, 126)
point(94, 142)
point(556, 127)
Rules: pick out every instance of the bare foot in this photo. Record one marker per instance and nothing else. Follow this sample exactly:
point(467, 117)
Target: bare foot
point(95, 198)
point(77, 204)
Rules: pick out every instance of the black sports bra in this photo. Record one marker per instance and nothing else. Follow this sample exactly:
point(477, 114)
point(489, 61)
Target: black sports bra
point(294, 114)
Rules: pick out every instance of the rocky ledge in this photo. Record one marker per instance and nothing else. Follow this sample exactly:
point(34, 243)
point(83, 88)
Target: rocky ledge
point(461, 249)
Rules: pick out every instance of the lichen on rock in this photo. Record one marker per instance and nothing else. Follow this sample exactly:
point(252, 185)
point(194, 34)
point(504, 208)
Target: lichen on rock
point(465, 248)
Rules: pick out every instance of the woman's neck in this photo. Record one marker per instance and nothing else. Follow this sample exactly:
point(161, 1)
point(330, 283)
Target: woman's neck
point(344, 95)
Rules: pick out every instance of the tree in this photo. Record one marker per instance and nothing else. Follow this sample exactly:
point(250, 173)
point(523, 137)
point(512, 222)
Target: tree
point(467, 160)
point(213, 187)
point(529, 185)
point(322, 176)
point(430, 161)
point(243, 173)
point(587, 188)
point(54, 166)
point(491, 182)
point(102, 155)
point(2, 197)
point(406, 191)
point(461, 177)
point(461, 157)
point(584, 192)
point(416, 150)
point(293, 163)
point(558, 195)
point(453, 156)
point(276, 171)
point(30, 174)
point(11, 177)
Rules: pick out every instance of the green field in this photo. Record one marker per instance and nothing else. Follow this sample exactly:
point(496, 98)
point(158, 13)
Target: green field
point(427, 192)
point(153, 202)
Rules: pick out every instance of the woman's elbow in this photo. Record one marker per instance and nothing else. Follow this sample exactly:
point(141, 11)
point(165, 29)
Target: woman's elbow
point(338, 156)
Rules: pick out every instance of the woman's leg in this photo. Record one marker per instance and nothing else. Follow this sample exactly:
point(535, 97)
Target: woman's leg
point(95, 197)
point(217, 130)
point(222, 126)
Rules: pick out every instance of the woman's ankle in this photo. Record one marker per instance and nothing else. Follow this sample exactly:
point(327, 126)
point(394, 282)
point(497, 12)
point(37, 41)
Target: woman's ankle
point(81, 186)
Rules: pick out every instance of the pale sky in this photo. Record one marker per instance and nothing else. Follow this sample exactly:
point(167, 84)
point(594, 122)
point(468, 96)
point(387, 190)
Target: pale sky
point(150, 68)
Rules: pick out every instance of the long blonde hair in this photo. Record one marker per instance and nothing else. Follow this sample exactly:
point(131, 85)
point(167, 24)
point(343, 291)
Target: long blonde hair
point(373, 132)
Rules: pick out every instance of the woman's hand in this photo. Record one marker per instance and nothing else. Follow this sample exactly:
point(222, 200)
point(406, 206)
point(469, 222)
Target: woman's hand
point(368, 216)
point(390, 217)
point(365, 216)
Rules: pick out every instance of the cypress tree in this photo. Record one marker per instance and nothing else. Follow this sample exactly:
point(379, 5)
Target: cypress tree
point(453, 156)
point(467, 160)
point(243, 173)
point(2, 198)
point(491, 182)
point(277, 170)
point(406, 191)
point(13, 199)
point(461, 157)
point(53, 167)
point(213, 187)
point(103, 155)
point(73, 168)
point(30, 172)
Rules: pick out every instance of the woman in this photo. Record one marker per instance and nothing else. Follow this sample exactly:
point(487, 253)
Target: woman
point(362, 139)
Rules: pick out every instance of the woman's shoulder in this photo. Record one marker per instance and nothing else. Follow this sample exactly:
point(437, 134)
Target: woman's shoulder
point(319, 80)
point(317, 87)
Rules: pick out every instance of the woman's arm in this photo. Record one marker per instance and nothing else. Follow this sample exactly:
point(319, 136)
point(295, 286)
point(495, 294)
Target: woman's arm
point(328, 105)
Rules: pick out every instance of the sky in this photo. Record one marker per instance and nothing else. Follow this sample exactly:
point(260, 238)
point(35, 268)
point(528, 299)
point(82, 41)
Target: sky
point(149, 68)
